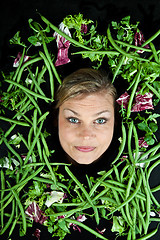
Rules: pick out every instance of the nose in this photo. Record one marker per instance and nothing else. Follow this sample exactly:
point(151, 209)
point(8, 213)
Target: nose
point(86, 132)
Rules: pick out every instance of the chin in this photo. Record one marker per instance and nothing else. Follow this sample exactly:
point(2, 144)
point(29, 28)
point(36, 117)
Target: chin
point(85, 162)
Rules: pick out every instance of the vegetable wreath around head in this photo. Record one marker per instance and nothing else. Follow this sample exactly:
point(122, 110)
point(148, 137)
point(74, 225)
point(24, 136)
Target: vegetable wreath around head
point(33, 189)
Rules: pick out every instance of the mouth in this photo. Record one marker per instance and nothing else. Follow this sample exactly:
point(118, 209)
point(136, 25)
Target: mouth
point(84, 148)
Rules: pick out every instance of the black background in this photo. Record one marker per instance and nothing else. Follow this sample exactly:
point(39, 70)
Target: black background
point(14, 16)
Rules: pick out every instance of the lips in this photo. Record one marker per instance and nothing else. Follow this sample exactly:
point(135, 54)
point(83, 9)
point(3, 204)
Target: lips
point(85, 148)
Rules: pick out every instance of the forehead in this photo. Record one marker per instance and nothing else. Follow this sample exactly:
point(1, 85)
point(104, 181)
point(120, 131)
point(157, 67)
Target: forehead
point(96, 101)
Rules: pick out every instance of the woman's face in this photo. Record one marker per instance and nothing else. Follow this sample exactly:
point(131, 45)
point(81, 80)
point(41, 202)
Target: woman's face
point(86, 125)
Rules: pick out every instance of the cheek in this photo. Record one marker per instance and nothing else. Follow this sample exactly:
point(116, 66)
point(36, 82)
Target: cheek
point(65, 133)
point(107, 134)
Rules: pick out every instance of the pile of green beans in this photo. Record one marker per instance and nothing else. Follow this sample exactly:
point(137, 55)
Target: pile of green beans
point(124, 189)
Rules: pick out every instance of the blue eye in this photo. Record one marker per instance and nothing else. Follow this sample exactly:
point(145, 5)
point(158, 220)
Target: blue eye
point(101, 121)
point(73, 120)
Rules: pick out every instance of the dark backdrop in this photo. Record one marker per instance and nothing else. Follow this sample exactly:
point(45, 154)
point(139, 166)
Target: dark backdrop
point(14, 14)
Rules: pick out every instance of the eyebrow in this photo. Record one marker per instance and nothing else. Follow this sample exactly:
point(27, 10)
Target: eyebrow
point(97, 114)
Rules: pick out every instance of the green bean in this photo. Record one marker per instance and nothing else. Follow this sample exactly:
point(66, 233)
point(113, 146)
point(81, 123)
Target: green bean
point(149, 235)
point(151, 39)
point(35, 121)
point(89, 182)
point(139, 227)
point(34, 102)
point(154, 199)
point(45, 145)
point(112, 187)
point(85, 193)
point(123, 172)
point(10, 197)
point(49, 167)
point(119, 49)
point(99, 195)
point(25, 181)
point(41, 74)
point(29, 91)
point(66, 204)
point(44, 180)
point(142, 204)
point(139, 195)
point(23, 108)
point(13, 225)
point(105, 199)
point(155, 189)
point(33, 143)
point(20, 103)
point(136, 143)
point(129, 236)
point(128, 215)
point(130, 183)
point(30, 134)
point(35, 83)
point(153, 90)
point(148, 200)
point(152, 167)
point(136, 205)
point(72, 211)
point(73, 41)
point(36, 74)
point(150, 158)
point(118, 67)
point(8, 223)
point(96, 185)
point(133, 46)
point(126, 207)
point(14, 121)
point(39, 150)
point(134, 229)
point(21, 209)
point(129, 142)
point(23, 140)
point(116, 172)
point(25, 65)
point(122, 185)
point(50, 60)
point(9, 130)
point(13, 151)
point(121, 148)
point(17, 176)
point(106, 52)
point(17, 70)
point(43, 117)
point(33, 157)
point(132, 195)
point(136, 80)
point(6, 197)
point(50, 73)
point(153, 219)
point(40, 179)
point(2, 194)
point(144, 155)
point(154, 52)
point(86, 228)
point(8, 202)
point(115, 193)
point(43, 164)
point(79, 195)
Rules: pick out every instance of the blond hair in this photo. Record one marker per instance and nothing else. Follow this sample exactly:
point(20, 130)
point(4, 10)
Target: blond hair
point(84, 81)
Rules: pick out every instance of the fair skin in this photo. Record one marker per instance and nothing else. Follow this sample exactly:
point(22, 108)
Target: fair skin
point(86, 125)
